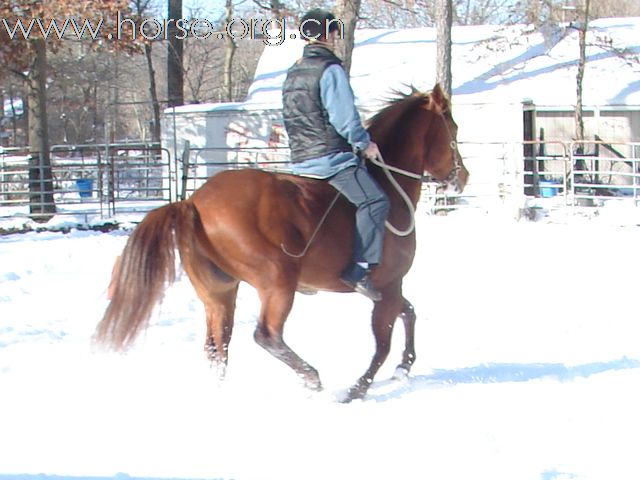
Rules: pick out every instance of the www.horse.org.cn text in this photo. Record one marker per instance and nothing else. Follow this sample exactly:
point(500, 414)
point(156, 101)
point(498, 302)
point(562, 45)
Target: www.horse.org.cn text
point(271, 32)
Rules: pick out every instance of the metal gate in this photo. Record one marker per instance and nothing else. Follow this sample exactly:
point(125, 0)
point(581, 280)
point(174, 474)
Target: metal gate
point(556, 175)
point(90, 182)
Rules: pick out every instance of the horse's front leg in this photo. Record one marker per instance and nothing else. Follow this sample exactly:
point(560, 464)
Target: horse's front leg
point(408, 316)
point(383, 318)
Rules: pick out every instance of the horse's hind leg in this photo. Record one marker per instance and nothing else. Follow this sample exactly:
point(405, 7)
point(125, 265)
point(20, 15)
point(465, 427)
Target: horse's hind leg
point(220, 309)
point(408, 316)
point(218, 292)
point(276, 305)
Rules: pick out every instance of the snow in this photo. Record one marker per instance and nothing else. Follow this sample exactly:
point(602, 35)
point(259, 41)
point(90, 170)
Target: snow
point(490, 64)
point(528, 367)
point(528, 337)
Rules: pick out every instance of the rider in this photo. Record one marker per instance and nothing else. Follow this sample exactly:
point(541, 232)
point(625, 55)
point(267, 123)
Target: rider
point(325, 131)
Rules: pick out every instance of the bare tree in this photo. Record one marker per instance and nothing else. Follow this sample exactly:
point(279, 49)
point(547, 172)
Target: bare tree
point(229, 52)
point(276, 8)
point(203, 61)
point(444, 16)
point(175, 78)
point(153, 90)
point(40, 175)
point(583, 28)
point(142, 9)
point(25, 56)
point(614, 8)
point(12, 119)
point(395, 14)
point(348, 12)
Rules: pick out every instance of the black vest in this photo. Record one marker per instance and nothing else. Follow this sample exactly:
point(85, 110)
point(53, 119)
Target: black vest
point(305, 119)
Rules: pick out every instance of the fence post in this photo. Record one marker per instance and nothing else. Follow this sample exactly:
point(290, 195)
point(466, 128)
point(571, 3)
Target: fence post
point(41, 181)
point(175, 153)
point(185, 169)
point(529, 135)
point(100, 182)
point(111, 183)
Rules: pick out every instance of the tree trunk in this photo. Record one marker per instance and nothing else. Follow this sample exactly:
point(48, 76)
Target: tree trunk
point(41, 202)
point(582, 35)
point(175, 80)
point(14, 119)
point(90, 98)
point(155, 131)
point(229, 52)
point(444, 20)
point(277, 9)
point(348, 12)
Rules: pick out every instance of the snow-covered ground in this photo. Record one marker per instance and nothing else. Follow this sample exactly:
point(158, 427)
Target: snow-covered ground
point(528, 342)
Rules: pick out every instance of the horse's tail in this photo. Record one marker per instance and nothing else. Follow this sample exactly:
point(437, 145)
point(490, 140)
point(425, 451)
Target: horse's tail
point(144, 269)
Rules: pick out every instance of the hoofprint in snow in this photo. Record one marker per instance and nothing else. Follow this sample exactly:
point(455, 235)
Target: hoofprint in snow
point(528, 367)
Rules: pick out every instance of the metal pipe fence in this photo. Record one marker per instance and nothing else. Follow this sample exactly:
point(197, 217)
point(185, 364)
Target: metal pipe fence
point(91, 181)
point(201, 163)
point(558, 175)
point(102, 181)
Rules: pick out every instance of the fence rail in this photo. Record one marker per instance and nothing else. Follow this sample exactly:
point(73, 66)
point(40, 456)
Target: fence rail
point(576, 175)
point(107, 180)
point(90, 181)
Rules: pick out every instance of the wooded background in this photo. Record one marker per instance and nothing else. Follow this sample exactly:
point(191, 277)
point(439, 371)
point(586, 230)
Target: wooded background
point(73, 91)
point(88, 83)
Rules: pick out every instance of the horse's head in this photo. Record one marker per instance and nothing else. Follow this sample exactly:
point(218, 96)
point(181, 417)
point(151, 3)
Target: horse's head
point(416, 131)
point(442, 158)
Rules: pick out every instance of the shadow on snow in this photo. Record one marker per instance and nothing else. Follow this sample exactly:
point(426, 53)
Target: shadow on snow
point(497, 373)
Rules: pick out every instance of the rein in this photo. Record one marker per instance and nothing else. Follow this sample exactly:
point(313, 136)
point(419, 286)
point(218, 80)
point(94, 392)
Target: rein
point(315, 232)
point(453, 177)
point(387, 169)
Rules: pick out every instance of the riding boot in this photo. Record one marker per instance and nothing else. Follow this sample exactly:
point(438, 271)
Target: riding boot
point(358, 278)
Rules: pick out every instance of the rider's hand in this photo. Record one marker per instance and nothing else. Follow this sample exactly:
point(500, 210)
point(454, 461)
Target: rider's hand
point(372, 152)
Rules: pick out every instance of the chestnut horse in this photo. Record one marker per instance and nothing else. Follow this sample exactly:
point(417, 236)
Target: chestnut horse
point(241, 225)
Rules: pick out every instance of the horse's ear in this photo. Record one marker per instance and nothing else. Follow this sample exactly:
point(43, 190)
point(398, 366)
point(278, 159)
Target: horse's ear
point(438, 95)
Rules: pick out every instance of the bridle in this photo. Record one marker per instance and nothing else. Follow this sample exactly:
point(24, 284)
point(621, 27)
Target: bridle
point(454, 175)
point(453, 178)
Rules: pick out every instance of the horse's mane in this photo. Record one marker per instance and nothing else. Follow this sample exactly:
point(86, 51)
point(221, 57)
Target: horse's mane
point(383, 122)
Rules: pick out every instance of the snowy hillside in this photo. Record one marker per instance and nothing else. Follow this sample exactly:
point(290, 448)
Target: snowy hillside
point(491, 64)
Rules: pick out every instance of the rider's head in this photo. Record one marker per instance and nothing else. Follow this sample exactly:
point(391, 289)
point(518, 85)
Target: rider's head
point(318, 24)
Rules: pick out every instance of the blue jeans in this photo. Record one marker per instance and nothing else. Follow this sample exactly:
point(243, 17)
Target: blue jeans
point(372, 206)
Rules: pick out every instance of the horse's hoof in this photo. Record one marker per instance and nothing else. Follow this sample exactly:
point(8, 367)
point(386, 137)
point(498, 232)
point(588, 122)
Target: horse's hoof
point(313, 386)
point(312, 381)
point(401, 372)
point(357, 392)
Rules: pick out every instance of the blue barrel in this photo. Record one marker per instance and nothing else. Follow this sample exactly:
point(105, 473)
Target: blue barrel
point(549, 188)
point(85, 187)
